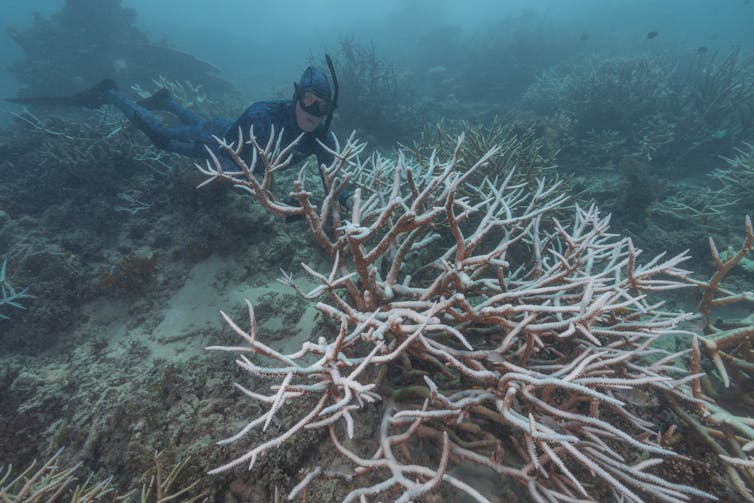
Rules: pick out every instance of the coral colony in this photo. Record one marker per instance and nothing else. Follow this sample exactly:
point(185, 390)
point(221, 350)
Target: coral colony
point(482, 320)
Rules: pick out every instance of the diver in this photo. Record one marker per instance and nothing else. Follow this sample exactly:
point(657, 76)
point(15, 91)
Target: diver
point(309, 112)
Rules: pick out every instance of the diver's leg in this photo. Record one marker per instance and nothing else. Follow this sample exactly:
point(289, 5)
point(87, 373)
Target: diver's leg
point(184, 114)
point(163, 100)
point(181, 139)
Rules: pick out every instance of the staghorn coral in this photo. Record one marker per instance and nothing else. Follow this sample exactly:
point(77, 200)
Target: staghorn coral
point(520, 149)
point(736, 179)
point(505, 346)
point(719, 423)
point(680, 117)
point(51, 483)
point(10, 296)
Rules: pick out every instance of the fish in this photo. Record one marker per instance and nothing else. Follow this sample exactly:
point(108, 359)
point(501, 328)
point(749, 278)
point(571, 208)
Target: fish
point(702, 50)
point(637, 396)
point(584, 37)
point(651, 35)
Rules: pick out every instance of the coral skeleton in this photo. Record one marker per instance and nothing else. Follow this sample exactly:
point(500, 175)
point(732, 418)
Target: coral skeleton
point(9, 296)
point(475, 319)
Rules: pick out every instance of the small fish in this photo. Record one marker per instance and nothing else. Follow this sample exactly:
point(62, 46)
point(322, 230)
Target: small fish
point(637, 396)
point(651, 35)
point(584, 37)
point(702, 50)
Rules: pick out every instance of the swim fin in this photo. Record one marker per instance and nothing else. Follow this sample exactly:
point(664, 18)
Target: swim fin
point(93, 97)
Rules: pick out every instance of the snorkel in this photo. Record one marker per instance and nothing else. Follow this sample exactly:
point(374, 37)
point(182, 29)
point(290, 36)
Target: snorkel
point(335, 92)
point(315, 96)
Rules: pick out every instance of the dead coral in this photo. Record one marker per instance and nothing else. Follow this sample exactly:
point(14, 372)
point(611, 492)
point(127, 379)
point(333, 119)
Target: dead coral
point(130, 275)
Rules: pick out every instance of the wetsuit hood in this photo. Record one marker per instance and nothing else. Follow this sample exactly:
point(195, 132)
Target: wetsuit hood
point(315, 81)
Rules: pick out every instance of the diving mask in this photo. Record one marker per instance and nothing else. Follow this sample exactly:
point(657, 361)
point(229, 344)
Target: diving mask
point(314, 105)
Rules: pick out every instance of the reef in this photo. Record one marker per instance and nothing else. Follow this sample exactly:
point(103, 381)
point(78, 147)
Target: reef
point(542, 292)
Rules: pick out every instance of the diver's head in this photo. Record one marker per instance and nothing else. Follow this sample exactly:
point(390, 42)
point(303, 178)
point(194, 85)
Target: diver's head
point(313, 99)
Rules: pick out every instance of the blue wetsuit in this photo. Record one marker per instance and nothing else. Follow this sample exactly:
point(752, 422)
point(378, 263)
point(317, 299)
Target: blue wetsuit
point(190, 138)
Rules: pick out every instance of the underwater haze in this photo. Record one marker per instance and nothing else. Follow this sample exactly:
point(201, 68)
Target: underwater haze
point(439, 250)
point(255, 40)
